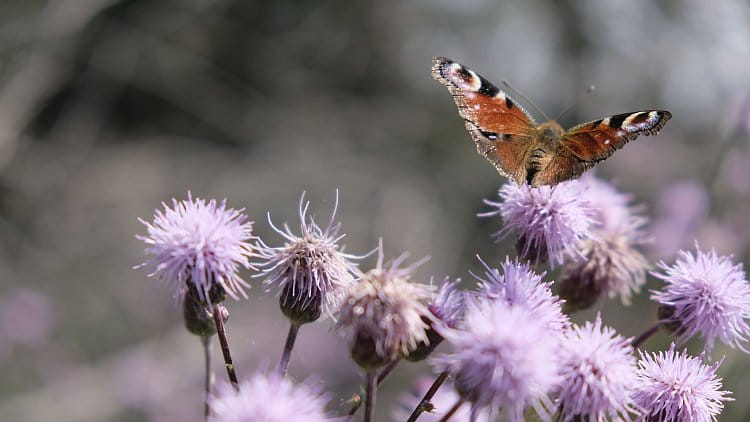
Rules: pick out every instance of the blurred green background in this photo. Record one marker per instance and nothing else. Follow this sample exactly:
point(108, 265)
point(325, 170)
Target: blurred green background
point(109, 107)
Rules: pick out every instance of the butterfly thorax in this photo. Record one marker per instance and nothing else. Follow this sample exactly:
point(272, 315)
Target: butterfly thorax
point(550, 133)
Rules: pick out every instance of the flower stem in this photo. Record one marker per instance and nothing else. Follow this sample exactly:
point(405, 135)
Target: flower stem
point(287, 353)
point(206, 340)
point(220, 311)
point(370, 393)
point(381, 377)
point(425, 402)
point(453, 410)
point(645, 335)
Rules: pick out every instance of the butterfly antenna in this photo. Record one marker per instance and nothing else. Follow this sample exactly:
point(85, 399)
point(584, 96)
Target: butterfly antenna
point(515, 91)
point(589, 90)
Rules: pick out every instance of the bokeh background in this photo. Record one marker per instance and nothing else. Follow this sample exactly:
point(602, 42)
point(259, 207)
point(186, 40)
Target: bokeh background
point(108, 107)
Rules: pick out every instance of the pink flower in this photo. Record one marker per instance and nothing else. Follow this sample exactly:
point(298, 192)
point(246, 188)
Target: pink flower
point(201, 243)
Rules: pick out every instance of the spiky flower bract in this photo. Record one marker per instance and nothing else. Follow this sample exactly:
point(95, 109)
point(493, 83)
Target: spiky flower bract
point(677, 387)
point(598, 370)
point(445, 309)
point(612, 264)
point(503, 358)
point(442, 401)
point(519, 285)
point(707, 295)
point(310, 271)
point(199, 245)
point(549, 221)
point(269, 398)
point(382, 313)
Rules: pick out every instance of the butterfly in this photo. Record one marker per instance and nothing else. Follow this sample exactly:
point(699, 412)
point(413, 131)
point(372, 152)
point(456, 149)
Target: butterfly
point(527, 152)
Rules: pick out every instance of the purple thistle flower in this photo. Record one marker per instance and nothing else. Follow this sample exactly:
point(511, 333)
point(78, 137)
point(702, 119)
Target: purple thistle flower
point(445, 309)
point(201, 243)
point(269, 398)
point(503, 358)
point(677, 387)
point(382, 314)
point(448, 305)
point(598, 370)
point(549, 221)
point(612, 265)
point(310, 271)
point(705, 294)
point(519, 285)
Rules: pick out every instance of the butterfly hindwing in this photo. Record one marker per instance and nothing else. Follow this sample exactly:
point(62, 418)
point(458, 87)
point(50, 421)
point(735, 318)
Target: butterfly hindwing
point(594, 141)
point(501, 129)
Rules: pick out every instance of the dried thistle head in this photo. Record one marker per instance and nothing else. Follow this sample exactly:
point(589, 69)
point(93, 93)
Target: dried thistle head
point(382, 313)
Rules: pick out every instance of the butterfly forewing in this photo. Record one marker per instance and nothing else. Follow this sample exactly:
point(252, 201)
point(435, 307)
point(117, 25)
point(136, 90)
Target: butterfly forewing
point(501, 128)
point(597, 140)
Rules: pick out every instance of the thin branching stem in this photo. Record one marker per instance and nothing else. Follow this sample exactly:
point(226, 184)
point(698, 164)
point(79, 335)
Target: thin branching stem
point(425, 402)
point(370, 390)
point(286, 354)
point(206, 341)
point(381, 377)
point(219, 311)
point(638, 341)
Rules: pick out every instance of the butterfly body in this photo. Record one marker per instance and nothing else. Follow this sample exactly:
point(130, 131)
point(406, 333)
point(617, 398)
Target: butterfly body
point(527, 152)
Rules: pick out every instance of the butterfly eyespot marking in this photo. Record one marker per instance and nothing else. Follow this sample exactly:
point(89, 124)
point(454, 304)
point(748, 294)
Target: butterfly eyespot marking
point(462, 77)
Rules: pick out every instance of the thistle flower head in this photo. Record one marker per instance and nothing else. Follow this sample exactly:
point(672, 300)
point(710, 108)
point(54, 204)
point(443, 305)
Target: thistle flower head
point(269, 398)
point(706, 294)
point(199, 246)
point(612, 265)
point(382, 313)
point(549, 221)
point(503, 358)
point(448, 305)
point(310, 271)
point(445, 309)
point(519, 285)
point(598, 370)
point(677, 387)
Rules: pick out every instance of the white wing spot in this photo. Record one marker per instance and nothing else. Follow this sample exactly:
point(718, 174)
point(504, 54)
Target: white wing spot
point(476, 106)
point(607, 142)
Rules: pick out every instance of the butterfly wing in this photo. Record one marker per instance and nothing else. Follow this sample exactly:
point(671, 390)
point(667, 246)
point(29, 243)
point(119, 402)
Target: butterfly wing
point(597, 140)
point(589, 143)
point(502, 130)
